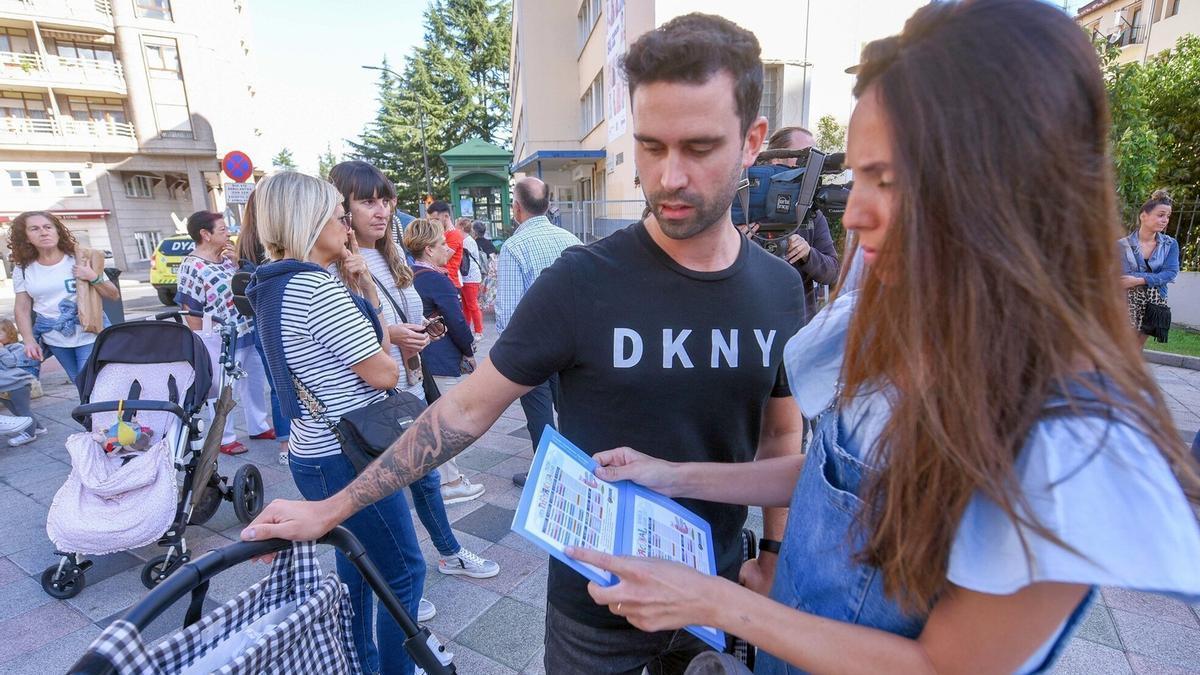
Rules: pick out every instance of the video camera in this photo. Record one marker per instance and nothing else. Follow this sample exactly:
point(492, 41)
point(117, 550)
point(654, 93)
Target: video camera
point(782, 198)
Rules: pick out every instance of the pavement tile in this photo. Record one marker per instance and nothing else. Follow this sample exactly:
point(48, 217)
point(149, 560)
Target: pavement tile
point(10, 572)
point(481, 459)
point(112, 564)
point(509, 632)
point(43, 491)
point(1162, 640)
point(532, 591)
point(467, 660)
point(507, 425)
point(1144, 665)
point(56, 657)
point(514, 540)
point(18, 459)
point(500, 489)
point(454, 512)
point(502, 442)
point(512, 464)
point(487, 522)
point(1098, 627)
point(48, 469)
point(25, 535)
point(34, 559)
point(515, 566)
point(101, 599)
point(22, 595)
point(523, 432)
point(458, 604)
point(1151, 605)
point(37, 628)
point(1082, 657)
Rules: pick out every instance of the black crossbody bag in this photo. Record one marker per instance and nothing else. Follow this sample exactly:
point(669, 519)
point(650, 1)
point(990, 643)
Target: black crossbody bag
point(1156, 317)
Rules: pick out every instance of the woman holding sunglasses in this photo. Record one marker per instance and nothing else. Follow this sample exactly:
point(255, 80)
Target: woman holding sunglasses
point(323, 346)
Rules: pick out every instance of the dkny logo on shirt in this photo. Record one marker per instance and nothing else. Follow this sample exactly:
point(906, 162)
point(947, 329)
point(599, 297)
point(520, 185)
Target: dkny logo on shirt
point(629, 347)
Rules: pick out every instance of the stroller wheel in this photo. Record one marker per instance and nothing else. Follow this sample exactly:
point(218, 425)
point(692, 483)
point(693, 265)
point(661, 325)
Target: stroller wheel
point(210, 501)
point(65, 585)
point(247, 493)
point(157, 568)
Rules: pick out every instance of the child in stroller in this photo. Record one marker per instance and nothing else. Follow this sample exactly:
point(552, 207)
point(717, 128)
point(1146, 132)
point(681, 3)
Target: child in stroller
point(142, 393)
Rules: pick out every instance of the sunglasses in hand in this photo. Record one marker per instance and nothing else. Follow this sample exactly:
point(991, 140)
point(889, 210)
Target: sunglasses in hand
point(435, 327)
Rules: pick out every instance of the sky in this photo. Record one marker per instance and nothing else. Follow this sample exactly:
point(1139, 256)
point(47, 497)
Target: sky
point(311, 87)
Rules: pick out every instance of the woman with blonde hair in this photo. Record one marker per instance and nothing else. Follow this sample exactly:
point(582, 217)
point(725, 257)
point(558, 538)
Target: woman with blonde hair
point(58, 286)
point(323, 348)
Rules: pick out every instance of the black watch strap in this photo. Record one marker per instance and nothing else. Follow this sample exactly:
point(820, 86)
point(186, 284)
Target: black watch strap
point(770, 545)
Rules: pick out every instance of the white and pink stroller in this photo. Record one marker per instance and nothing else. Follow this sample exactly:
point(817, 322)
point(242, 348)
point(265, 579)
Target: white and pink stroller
point(155, 376)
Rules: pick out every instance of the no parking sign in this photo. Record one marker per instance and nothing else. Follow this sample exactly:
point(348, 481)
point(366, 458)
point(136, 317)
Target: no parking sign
point(237, 166)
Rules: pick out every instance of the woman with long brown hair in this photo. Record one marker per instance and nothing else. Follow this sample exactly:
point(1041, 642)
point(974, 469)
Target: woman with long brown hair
point(58, 286)
point(990, 447)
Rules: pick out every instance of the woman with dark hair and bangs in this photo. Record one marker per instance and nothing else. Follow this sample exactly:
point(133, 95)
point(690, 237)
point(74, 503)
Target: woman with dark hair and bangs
point(990, 448)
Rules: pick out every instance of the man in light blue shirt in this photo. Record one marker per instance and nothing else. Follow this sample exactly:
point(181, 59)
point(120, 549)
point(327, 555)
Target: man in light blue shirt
point(533, 247)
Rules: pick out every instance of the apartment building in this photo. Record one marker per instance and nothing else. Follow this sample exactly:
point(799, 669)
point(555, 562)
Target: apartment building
point(570, 105)
point(1141, 28)
point(114, 114)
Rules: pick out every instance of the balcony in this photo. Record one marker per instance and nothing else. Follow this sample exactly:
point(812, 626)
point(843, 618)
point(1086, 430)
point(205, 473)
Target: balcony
point(64, 72)
point(66, 133)
point(77, 13)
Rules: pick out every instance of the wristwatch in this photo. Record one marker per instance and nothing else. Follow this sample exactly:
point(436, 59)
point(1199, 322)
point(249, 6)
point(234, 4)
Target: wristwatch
point(769, 545)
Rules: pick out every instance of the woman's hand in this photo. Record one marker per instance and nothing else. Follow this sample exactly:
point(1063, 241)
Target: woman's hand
point(629, 464)
point(652, 594)
point(33, 351)
point(408, 338)
point(229, 253)
point(1131, 282)
point(83, 271)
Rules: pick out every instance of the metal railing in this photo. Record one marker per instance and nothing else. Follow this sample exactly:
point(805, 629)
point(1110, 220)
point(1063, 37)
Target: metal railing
point(66, 129)
point(592, 220)
point(1185, 227)
point(64, 69)
point(88, 10)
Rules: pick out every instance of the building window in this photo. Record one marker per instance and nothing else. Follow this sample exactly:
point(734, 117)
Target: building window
point(1131, 22)
point(589, 11)
point(84, 50)
point(69, 183)
point(15, 40)
point(162, 61)
point(23, 105)
point(153, 9)
point(146, 243)
point(139, 187)
point(25, 181)
point(1172, 7)
point(772, 87)
point(97, 109)
point(591, 106)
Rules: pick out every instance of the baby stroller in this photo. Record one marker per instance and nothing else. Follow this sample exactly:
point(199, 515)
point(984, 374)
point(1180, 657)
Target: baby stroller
point(154, 375)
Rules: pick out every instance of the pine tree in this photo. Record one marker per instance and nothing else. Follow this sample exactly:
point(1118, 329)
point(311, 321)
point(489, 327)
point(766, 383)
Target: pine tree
point(326, 161)
point(456, 82)
point(283, 161)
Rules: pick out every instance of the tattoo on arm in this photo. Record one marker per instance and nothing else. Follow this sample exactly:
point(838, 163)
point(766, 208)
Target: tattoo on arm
point(430, 441)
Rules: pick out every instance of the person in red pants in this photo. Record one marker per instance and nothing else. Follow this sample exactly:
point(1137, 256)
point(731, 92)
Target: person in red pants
point(471, 268)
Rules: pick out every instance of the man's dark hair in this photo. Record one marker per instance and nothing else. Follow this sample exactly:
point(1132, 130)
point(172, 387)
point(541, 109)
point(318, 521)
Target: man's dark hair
point(694, 47)
point(535, 202)
point(201, 221)
point(438, 207)
point(479, 228)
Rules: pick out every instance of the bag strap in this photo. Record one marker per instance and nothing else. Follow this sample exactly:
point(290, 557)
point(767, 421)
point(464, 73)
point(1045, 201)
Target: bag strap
point(392, 301)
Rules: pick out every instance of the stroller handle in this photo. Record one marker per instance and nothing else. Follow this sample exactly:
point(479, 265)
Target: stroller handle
point(82, 412)
point(200, 570)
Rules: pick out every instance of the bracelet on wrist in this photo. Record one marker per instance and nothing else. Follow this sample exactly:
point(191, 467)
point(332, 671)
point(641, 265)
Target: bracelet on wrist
point(97, 281)
point(769, 546)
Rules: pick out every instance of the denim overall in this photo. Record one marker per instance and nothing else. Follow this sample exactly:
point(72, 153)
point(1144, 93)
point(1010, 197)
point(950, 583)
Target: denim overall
point(817, 572)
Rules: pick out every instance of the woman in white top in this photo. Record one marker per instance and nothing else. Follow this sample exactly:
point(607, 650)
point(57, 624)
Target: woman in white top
point(47, 278)
point(472, 279)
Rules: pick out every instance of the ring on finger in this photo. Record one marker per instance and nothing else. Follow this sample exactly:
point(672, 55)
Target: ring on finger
point(618, 608)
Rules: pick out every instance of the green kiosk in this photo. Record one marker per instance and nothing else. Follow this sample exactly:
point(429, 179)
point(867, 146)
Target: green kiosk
point(479, 184)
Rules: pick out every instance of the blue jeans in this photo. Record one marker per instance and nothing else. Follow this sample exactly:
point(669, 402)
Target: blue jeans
point(539, 404)
point(427, 501)
point(72, 359)
point(386, 531)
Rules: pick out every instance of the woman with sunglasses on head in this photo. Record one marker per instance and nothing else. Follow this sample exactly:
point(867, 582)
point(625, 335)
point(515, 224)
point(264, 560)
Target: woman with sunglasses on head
point(324, 348)
point(369, 198)
point(990, 447)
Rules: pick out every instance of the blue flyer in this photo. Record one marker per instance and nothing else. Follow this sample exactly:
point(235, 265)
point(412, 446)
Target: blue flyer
point(565, 504)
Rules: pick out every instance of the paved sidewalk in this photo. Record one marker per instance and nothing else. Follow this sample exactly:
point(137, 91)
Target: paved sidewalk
point(492, 625)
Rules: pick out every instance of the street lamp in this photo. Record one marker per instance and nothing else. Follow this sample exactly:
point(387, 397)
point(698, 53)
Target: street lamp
point(421, 122)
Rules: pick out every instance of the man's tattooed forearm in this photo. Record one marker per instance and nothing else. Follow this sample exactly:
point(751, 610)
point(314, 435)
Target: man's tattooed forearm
point(430, 441)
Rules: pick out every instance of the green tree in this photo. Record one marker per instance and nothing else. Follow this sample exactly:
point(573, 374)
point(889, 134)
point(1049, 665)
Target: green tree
point(831, 135)
point(283, 160)
point(456, 83)
point(326, 161)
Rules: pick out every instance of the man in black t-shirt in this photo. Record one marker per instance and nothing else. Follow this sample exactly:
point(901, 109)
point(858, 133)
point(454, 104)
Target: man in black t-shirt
point(667, 337)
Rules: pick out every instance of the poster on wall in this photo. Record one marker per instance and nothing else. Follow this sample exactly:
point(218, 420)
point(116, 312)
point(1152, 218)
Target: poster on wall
point(466, 207)
point(618, 93)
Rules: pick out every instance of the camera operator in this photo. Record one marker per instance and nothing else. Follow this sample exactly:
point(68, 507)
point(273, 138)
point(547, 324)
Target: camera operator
point(810, 250)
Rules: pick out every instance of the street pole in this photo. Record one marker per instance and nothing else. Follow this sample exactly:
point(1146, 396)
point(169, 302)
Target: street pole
point(421, 124)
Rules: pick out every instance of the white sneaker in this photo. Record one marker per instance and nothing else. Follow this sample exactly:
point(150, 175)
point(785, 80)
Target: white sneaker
point(426, 611)
point(22, 438)
point(41, 431)
point(464, 491)
point(10, 424)
point(469, 564)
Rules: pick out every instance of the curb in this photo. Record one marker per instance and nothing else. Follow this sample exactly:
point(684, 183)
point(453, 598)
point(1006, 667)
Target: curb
point(1174, 360)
